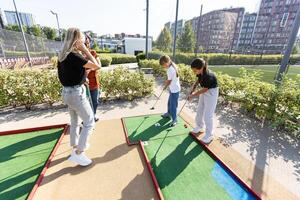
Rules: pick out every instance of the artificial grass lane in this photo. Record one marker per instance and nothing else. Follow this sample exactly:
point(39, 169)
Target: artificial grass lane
point(22, 158)
point(183, 169)
point(143, 127)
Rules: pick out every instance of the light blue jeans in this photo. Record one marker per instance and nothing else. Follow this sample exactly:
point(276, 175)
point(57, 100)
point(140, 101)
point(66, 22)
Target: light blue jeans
point(172, 105)
point(79, 106)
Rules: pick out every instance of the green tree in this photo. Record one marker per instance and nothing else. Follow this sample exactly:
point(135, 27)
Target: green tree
point(186, 41)
point(164, 40)
point(96, 46)
point(15, 28)
point(49, 32)
point(35, 30)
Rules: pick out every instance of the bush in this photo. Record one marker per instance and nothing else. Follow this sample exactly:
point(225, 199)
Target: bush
point(105, 60)
point(121, 58)
point(122, 84)
point(54, 61)
point(30, 87)
point(140, 56)
point(279, 105)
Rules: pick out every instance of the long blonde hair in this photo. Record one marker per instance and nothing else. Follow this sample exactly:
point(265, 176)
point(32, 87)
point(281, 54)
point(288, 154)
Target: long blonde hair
point(72, 36)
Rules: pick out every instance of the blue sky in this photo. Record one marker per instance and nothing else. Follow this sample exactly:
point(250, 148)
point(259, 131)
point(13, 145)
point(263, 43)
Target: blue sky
point(116, 16)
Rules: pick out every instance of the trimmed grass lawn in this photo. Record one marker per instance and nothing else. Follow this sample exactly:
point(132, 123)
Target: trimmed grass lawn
point(268, 71)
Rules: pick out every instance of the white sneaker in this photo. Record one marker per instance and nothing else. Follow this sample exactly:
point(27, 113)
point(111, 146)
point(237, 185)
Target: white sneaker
point(80, 159)
point(96, 118)
point(207, 139)
point(197, 130)
point(87, 146)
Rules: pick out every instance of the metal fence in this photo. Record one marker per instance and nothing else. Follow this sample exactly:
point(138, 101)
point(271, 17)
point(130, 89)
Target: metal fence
point(12, 49)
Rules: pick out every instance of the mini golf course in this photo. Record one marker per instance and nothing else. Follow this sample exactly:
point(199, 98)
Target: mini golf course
point(24, 157)
point(181, 167)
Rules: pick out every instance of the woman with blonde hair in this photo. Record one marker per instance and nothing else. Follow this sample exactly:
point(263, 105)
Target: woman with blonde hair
point(72, 75)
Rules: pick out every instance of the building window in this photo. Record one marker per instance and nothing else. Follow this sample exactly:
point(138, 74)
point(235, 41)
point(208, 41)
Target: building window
point(284, 19)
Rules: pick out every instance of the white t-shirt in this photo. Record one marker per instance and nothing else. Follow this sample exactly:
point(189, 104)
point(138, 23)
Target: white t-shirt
point(175, 85)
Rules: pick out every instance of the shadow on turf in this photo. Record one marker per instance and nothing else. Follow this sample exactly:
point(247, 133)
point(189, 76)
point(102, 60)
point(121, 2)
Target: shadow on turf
point(20, 190)
point(8, 152)
point(175, 163)
point(150, 132)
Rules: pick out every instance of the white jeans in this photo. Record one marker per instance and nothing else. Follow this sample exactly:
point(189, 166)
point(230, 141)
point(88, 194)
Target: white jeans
point(78, 104)
point(205, 111)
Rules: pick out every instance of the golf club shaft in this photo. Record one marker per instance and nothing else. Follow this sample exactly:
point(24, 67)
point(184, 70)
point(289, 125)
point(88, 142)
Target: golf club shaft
point(187, 99)
point(158, 98)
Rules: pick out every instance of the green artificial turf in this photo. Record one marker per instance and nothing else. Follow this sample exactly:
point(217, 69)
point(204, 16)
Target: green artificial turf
point(22, 158)
point(143, 127)
point(183, 169)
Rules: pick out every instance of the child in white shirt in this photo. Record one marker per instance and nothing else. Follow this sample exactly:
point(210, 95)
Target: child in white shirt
point(174, 87)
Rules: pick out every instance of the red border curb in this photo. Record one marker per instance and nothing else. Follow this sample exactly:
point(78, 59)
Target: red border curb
point(43, 172)
point(26, 130)
point(153, 177)
point(126, 134)
point(216, 158)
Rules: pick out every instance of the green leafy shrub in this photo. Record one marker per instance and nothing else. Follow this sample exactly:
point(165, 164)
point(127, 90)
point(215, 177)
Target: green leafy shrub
point(118, 58)
point(54, 61)
point(105, 60)
point(123, 84)
point(140, 56)
point(30, 87)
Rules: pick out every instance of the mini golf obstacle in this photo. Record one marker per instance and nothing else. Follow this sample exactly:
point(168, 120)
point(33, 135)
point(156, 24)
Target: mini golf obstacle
point(25, 155)
point(181, 167)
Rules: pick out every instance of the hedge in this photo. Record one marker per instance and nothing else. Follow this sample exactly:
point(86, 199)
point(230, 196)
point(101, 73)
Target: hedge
point(223, 59)
point(16, 54)
point(278, 105)
point(120, 58)
point(30, 87)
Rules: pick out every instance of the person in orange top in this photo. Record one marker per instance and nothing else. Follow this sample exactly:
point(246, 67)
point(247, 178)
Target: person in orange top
point(93, 77)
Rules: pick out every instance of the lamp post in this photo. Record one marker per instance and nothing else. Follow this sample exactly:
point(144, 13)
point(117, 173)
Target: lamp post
point(175, 30)
point(24, 39)
point(147, 27)
point(59, 31)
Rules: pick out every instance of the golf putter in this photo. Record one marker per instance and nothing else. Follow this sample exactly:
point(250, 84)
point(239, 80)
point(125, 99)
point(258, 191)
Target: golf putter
point(153, 107)
point(187, 99)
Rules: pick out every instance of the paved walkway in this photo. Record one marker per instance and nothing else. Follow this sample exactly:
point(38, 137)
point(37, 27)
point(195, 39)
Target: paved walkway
point(274, 154)
point(117, 172)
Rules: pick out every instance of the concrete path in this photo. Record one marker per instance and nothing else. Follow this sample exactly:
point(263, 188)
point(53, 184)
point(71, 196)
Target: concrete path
point(275, 154)
point(117, 172)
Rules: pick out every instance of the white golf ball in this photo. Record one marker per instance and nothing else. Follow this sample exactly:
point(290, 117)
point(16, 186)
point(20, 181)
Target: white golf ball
point(158, 124)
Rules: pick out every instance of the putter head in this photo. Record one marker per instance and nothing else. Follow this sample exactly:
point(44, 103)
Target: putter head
point(152, 108)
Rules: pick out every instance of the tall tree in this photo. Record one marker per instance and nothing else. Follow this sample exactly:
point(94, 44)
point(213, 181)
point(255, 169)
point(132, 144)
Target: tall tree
point(164, 40)
point(50, 33)
point(186, 41)
point(35, 30)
